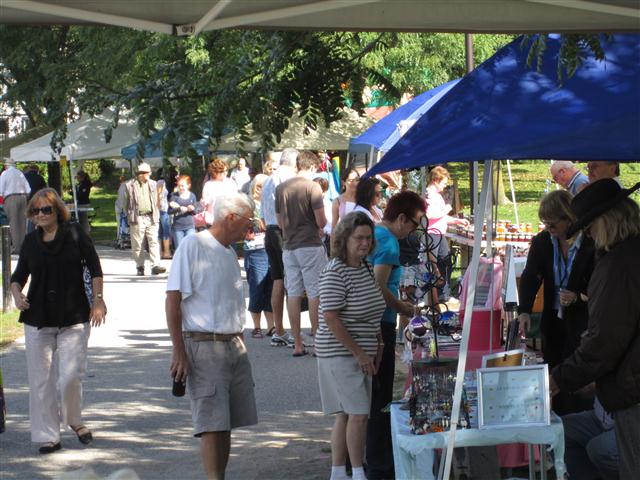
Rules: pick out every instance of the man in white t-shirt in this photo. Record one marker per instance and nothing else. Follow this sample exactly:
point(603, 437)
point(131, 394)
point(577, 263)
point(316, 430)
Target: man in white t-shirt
point(205, 311)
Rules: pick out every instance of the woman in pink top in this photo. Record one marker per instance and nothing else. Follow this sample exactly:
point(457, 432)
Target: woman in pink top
point(218, 186)
point(438, 216)
point(346, 202)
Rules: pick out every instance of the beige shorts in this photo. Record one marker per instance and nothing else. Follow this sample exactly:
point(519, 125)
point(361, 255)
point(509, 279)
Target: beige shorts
point(343, 386)
point(220, 385)
point(302, 269)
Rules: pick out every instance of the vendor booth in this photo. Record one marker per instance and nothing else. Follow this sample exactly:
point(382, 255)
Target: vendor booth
point(85, 140)
point(507, 109)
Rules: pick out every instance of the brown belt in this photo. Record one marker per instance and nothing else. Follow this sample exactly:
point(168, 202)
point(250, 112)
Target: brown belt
point(211, 337)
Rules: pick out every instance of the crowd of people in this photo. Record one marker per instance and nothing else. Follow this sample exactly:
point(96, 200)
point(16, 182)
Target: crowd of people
point(344, 262)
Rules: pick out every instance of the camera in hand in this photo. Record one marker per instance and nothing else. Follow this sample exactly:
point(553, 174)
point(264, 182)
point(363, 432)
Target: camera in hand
point(178, 389)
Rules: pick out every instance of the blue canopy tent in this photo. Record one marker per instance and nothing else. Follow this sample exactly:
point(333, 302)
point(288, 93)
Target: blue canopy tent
point(506, 109)
point(153, 147)
point(384, 134)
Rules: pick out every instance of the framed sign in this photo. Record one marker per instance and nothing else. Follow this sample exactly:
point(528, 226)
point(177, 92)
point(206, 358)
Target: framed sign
point(510, 358)
point(513, 396)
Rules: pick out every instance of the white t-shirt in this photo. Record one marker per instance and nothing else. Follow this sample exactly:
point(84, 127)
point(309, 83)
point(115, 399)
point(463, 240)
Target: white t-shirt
point(211, 191)
point(207, 275)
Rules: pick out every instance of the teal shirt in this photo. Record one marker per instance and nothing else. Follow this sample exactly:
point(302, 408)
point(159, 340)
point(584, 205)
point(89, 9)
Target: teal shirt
point(387, 252)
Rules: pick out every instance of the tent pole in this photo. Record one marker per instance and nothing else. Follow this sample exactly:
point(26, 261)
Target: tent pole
point(513, 192)
point(73, 190)
point(445, 467)
point(489, 215)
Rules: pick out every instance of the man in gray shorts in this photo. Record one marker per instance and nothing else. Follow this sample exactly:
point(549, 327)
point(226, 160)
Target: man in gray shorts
point(300, 215)
point(205, 311)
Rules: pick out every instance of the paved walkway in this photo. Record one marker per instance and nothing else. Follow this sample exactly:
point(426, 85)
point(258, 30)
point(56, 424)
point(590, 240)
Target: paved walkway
point(136, 421)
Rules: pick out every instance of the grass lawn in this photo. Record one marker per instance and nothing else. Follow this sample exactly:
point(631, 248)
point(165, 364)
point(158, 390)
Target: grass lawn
point(529, 182)
point(10, 329)
point(103, 225)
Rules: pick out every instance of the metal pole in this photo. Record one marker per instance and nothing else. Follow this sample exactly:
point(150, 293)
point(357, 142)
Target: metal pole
point(6, 268)
point(473, 166)
point(513, 192)
point(466, 329)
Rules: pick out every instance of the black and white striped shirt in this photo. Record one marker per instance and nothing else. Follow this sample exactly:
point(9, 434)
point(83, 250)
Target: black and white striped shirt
point(354, 293)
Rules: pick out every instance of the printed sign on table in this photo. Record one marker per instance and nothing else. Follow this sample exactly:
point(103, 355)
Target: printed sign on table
point(513, 396)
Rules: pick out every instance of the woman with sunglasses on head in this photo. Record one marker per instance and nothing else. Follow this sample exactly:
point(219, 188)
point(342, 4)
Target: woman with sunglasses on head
point(368, 196)
point(57, 316)
point(564, 265)
point(346, 202)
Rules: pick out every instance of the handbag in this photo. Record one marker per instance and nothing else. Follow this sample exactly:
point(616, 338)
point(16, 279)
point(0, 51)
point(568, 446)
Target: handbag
point(86, 273)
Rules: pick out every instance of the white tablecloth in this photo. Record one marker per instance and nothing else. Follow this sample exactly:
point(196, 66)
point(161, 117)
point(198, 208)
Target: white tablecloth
point(414, 454)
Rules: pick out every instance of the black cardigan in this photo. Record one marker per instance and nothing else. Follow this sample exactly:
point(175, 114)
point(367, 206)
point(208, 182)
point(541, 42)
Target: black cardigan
point(539, 268)
point(56, 292)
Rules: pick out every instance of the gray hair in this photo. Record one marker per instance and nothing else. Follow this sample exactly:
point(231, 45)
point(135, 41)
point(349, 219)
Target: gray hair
point(289, 157)
point(562, 164)
point(235, 203)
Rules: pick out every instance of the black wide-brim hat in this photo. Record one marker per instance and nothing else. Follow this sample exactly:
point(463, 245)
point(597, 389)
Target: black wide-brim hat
point(596, 199)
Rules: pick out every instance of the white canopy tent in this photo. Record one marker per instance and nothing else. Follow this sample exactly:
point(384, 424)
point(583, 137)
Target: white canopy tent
point(334, 137)
point(85, 140)
point(191, 17)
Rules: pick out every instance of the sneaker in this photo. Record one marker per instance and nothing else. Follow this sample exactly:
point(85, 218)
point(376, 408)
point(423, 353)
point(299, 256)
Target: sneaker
point(157, 270)
point(140, 271)
point(285, 340)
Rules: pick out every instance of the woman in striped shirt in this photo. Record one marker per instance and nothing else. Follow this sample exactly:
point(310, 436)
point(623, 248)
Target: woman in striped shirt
point(348, 342)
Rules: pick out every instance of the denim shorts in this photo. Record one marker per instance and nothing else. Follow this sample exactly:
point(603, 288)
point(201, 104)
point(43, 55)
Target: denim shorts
point(256, 264)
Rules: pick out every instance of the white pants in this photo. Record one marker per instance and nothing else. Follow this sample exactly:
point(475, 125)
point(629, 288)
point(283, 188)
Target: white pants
point(56, 365)
point(145, 228)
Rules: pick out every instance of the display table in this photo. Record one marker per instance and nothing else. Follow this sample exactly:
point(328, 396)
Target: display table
point(414, 454)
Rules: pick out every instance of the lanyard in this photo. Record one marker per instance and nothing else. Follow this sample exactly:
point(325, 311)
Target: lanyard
point(562, 268)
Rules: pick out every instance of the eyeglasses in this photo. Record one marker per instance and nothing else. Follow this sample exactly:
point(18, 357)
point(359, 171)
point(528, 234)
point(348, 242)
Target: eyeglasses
point(44, 210)
point(551, 224)
point(415, 222)
point(251, 219)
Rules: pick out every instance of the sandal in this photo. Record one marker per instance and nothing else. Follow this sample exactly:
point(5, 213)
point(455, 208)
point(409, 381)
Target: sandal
point(271, 331)
point(300, 354)
point(257, 333)
point(49, 447)
point(85, 438)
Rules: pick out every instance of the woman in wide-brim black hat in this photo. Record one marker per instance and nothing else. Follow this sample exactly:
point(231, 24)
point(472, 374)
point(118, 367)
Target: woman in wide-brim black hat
point(609, 352)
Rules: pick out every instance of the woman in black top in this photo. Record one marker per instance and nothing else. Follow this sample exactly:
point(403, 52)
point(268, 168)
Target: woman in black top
point(57, 316)
point(564, 266)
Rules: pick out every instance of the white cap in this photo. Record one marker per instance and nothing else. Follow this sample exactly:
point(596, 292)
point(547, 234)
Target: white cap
point(144, 167)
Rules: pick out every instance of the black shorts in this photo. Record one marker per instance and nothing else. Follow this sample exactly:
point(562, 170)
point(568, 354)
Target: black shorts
point(273, 246)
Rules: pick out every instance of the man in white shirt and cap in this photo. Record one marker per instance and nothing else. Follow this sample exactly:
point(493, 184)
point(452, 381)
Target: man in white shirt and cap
point(14, 188)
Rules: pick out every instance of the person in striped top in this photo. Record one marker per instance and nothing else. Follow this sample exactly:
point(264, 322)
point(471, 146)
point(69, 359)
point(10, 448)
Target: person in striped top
point(348, 342)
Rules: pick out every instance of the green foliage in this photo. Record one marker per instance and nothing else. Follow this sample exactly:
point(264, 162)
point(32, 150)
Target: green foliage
point(217, 82)
point(574, 49)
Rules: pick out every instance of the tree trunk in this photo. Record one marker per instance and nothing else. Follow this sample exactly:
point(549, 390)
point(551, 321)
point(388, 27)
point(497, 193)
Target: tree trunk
point(197, 175)
point(55, 177)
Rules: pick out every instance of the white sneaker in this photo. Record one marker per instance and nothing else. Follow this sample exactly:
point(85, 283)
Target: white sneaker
point(285, 340)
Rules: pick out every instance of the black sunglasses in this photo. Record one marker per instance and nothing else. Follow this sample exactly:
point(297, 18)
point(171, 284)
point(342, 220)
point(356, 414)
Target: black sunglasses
point(43, 210)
